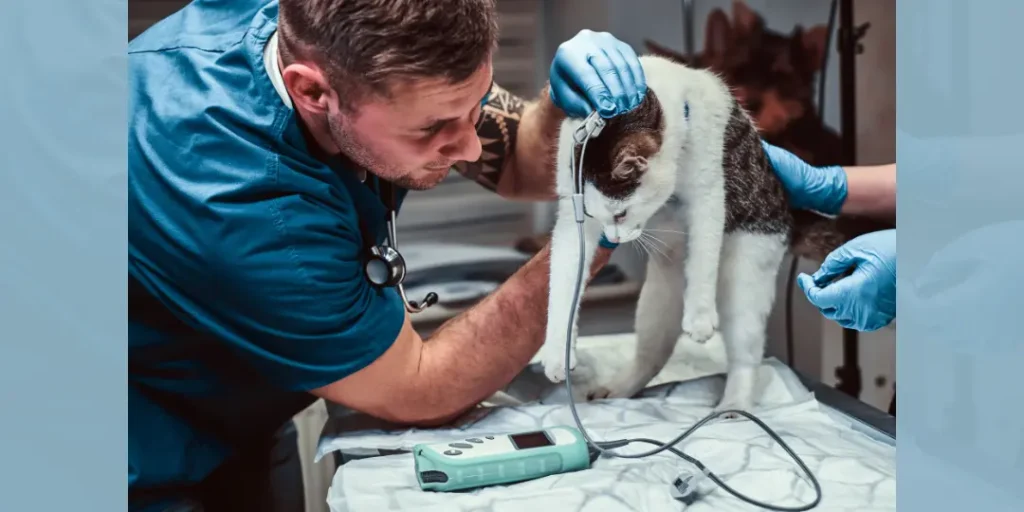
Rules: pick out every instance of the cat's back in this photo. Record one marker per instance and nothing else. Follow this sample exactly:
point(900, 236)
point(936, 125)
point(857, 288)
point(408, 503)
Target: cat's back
point(755, 199)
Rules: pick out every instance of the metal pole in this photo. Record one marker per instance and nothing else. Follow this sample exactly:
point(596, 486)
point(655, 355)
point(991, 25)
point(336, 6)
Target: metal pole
point(688, 44)
point(849, 374)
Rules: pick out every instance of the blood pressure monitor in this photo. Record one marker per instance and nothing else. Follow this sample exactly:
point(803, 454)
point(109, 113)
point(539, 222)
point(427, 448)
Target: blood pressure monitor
point(499, 459)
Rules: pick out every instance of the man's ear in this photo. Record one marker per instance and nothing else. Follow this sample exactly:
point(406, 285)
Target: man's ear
point(308, 87)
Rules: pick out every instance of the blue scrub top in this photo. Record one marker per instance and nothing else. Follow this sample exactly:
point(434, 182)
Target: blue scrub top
point(246, 287)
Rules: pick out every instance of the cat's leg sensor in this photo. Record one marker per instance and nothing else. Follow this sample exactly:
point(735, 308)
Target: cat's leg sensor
point(565, 253)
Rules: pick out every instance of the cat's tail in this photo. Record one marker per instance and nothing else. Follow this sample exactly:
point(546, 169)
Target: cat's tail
point(815, 235)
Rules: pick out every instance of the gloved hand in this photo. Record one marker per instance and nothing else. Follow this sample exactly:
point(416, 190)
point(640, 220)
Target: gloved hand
point(866, 299)
point(595, 71)
point(809, 188)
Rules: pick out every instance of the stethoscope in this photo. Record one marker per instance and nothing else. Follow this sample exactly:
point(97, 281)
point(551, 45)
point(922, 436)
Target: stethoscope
point(384, 266)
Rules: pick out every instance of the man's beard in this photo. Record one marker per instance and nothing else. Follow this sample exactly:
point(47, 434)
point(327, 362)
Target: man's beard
point(350, 146)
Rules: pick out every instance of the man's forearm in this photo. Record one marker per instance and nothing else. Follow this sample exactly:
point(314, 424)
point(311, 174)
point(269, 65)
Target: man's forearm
point(479, 352)
point(519, 141)
point(871, 192)
point(532, 170)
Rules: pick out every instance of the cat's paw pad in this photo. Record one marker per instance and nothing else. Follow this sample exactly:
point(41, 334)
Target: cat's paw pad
point(700, 327)
point(553, 362)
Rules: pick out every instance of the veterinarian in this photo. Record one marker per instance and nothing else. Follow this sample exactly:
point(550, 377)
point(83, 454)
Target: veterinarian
point(866, 299)
point(261, 136)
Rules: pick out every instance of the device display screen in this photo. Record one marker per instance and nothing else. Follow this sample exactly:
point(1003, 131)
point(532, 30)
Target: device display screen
point(530, 440)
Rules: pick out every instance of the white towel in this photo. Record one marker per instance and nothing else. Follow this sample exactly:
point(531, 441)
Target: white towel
point(856, 471)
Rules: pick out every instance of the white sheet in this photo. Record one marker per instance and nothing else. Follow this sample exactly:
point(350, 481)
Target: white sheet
point(856, 471)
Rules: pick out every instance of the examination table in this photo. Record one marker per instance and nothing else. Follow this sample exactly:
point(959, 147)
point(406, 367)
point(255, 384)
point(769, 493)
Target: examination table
point(848, 445)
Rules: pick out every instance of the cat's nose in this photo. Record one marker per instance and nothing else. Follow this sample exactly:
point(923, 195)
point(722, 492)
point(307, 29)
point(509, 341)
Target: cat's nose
point(619, 216)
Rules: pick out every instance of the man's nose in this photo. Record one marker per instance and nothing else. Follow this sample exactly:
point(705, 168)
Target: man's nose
point(465, 145)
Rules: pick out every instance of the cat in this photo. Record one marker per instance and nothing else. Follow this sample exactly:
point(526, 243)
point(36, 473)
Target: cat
point(687, 165)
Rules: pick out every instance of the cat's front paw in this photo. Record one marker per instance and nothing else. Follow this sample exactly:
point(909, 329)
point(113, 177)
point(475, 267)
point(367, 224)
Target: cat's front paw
point(700, 326)
point(552, 359)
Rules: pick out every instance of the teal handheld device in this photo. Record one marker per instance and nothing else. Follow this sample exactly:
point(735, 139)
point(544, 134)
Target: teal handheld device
point(499, 459)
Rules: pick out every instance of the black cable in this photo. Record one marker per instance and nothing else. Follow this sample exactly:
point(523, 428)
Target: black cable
point(718, 481)
point(790, 284)
point(603, 448)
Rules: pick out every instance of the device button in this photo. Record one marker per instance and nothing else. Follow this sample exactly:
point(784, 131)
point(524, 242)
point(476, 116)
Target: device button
point(490, 438)
point(464, 446)
point(474, 440)
point(453, 452)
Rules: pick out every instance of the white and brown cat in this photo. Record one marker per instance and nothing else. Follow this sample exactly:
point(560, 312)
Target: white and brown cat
point(687, 172)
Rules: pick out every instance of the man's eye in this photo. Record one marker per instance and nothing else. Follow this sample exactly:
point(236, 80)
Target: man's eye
point(433, 129)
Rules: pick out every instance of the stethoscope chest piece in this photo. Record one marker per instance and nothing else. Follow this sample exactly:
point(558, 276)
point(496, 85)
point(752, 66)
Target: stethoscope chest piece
point(385, 267)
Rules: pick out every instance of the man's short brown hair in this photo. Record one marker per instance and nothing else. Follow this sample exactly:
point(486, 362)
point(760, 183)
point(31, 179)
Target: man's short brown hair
point(366, 45)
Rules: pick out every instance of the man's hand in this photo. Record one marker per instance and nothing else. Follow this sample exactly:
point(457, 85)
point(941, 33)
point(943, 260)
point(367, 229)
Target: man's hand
point(595, 71)
point(821, 189)
point(860, 190)
point(866, 299)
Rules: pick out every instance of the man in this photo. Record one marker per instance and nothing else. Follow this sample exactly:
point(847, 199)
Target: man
point(866, 299)
point(261, 137)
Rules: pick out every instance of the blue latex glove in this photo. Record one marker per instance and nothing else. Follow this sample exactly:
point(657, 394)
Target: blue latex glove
point(809, 188)
point(595, 71)
point(866, 299)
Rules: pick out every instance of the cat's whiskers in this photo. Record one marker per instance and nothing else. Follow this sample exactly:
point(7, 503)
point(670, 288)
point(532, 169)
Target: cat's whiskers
point(649, 239)
point(648, 242)
point(654, 239)
point(657, 268)
point(639, 242)
point(637, 249)
point(665, 231)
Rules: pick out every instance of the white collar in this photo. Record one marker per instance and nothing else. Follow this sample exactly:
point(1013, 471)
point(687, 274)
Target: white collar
point(271, 63)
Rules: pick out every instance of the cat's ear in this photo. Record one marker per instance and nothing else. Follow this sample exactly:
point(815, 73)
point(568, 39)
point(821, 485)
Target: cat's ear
point(717, 37)
point(813, 42)
point(629, 167)
point(745, 20)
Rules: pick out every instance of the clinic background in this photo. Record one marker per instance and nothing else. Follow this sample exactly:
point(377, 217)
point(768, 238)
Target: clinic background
point(461, 240)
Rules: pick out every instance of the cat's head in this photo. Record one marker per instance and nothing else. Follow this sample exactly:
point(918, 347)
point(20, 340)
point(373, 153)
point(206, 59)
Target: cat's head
point(625, 182)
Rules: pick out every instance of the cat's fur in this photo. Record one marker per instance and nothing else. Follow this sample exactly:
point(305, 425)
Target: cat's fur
point(688, 160)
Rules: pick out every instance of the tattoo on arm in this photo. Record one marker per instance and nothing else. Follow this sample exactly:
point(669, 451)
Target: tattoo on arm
point(498, 128)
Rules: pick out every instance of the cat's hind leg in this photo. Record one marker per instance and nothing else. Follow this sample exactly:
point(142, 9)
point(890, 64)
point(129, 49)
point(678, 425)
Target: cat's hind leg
point(750, 264)
point(659, 314)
